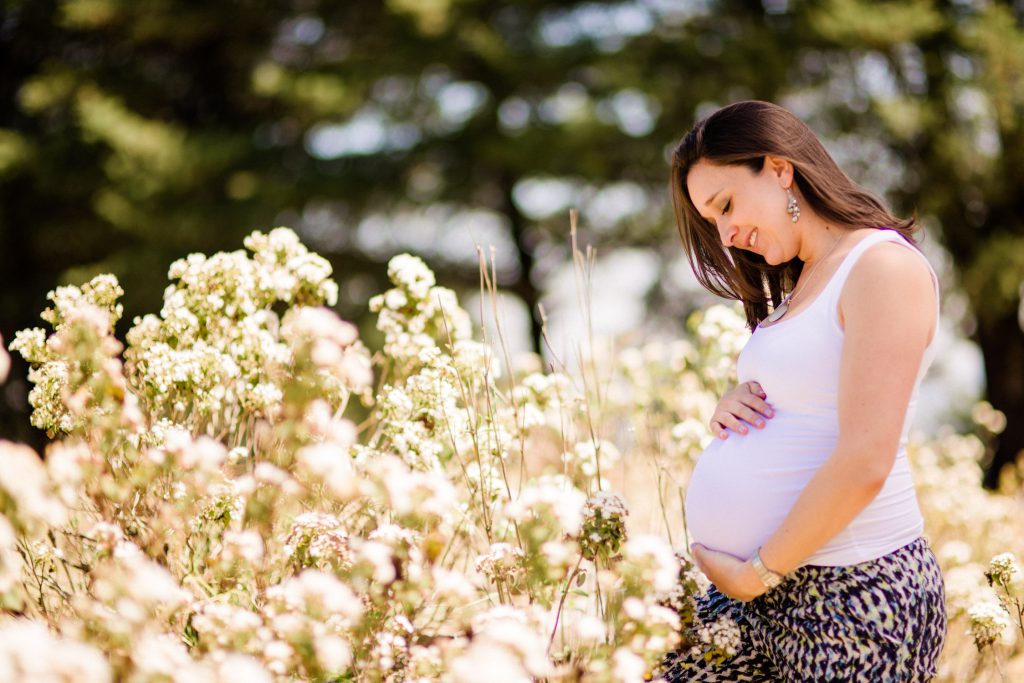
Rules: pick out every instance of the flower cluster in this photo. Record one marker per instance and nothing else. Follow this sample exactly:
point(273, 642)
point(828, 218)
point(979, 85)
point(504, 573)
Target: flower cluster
point(1003, 570)
point(989, 624)
point(604, 526)
point(721, 638)
point(219, 512)
point(720, 333)
point(416, 314)
point(76, 369)
point(216, 354)
point(504, 563)
point(211, 510)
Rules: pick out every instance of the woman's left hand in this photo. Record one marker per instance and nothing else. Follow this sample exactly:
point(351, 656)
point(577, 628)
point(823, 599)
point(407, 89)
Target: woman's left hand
point(732, 576)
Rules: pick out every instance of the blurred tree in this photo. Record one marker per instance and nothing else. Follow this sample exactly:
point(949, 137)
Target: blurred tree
point(134, 131)
point(941, 84)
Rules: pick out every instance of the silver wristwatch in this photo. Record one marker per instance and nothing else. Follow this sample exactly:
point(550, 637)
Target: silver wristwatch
point(769, 578)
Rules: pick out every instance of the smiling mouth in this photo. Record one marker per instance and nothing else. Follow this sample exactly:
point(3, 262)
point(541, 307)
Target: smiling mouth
point(752, 240)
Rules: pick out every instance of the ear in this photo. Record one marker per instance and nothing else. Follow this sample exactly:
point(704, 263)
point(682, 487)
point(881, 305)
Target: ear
point(779, 168)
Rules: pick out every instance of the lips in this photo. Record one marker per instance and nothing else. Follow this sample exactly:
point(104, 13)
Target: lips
point(752, 239)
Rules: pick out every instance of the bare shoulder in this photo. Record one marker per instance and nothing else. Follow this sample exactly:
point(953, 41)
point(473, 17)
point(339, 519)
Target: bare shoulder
point(888, 264)
point(892, 279)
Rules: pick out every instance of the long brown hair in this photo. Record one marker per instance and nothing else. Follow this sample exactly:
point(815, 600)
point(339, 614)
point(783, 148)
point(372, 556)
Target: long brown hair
point(742, 134)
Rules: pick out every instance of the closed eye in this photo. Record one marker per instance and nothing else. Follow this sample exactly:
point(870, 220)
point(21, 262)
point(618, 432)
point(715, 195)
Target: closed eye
point(725, 209)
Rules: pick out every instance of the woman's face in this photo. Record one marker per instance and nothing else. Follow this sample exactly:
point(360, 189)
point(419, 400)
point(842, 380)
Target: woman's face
point(748, 208)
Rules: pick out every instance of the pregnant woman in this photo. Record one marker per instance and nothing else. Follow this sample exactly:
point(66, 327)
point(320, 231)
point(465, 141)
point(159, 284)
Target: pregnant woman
point(802, 512)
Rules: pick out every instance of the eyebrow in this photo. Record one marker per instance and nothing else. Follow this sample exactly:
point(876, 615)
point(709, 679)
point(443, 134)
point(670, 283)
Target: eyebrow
point(708, 202)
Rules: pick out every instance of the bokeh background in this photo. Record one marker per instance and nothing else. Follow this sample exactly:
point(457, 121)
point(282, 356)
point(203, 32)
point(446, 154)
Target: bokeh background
point(133, 132)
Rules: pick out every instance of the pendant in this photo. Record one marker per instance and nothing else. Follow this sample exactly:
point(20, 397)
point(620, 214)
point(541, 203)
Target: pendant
point(778, 312)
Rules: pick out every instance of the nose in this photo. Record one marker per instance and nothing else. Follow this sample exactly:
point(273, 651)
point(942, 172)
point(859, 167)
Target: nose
point(727, 232)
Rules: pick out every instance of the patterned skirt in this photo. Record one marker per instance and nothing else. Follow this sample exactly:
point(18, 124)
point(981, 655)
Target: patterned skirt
point(880, 621)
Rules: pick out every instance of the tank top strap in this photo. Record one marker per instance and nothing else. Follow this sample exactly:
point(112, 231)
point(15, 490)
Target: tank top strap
point(835, 286)
point(838, 279)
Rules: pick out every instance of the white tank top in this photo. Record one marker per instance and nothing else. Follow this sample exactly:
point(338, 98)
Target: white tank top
point(743, 488)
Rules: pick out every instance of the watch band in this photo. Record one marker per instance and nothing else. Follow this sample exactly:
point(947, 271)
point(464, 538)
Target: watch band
point(769, 578)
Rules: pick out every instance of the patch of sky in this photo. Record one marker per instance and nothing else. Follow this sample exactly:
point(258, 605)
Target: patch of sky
point(514, 114)
point(460, 100)
point(603, 207)
point(367, 132)
point(631, 110)
point(842, 86)
point(323, 225)
point(613, 203)
point(801, 103)
point(306, 29)
point(438, 232)
point(619, 281)
point(676, 11)
point(867, 160)
point(606, 25)
point(974, 109)
point(911, 61)
point(453, 102)
point(540, 197)
point(468, 229)
point(874, 76)
point(961, 66)
point(513, 317)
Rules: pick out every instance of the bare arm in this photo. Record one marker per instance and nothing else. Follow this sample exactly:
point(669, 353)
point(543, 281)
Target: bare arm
point(887, 307)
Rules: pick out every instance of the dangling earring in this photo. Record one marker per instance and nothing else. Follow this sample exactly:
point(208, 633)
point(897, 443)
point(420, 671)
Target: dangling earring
point(793, 209)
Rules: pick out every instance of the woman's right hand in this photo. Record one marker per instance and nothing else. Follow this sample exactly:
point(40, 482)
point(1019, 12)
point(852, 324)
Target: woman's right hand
point(745, 405)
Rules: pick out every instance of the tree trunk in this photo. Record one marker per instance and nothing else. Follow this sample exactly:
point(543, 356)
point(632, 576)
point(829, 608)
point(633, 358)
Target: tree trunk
point(525, 288)
point(1002, 344)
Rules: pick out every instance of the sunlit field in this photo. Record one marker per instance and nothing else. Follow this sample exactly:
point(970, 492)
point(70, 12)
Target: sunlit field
point(243, 491)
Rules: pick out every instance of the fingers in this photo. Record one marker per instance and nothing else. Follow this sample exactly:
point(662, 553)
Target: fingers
point(727, 421)
point(753, 400)
point(697, 553)
point(755, 388)
point(743, 407)
point(740, 417)
point(754, 416)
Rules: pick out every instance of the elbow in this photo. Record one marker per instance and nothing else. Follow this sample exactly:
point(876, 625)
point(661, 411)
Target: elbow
point(868, 470)
point(876, 473)
point(874, 479)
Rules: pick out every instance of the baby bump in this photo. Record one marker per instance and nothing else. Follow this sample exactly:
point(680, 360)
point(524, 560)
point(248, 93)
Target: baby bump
point(742, 488)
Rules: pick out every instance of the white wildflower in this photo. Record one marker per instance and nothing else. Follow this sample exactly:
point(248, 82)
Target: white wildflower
point(29, 651)
point(990, 623)
point(24, 479)
point(503, 562)
point(233, 666)
point(628, 666)
point(723, 635)
point(1003, 569)
point(653, 559)
point(332, 653)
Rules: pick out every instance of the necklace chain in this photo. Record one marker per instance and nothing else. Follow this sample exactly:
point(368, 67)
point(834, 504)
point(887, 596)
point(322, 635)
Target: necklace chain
point(784, 306)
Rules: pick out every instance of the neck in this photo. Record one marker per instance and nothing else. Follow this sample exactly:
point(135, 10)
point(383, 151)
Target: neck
point(817, 239)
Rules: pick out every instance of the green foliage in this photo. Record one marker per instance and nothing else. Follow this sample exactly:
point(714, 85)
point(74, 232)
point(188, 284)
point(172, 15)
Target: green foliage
point(133, 133)
point(998, 39)
point(856, 24)
point(993, 281)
